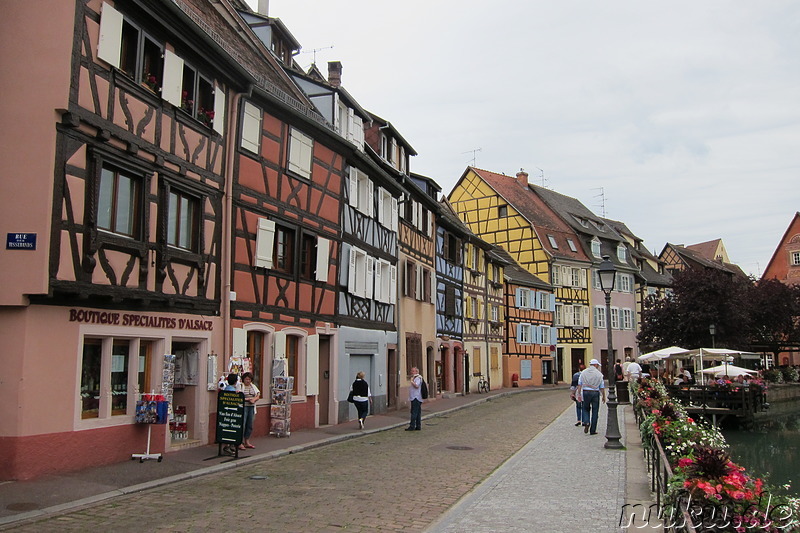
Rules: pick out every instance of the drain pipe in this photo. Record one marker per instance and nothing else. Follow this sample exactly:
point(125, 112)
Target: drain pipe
point(226, 246)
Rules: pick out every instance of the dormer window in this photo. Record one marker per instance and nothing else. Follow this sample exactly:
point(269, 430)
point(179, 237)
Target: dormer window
point(582, 221)
point(622, 253)
point(596, 248)
point(553, 242)
point(571, 244)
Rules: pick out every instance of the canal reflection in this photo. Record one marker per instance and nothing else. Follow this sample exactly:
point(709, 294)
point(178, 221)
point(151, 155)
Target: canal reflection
point(770, 451)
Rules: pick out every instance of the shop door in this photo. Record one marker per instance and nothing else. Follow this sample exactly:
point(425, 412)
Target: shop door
point(324, 397)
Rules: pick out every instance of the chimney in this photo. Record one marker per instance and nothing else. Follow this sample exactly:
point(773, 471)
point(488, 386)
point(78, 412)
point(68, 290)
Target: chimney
point(335, 73)
point(263, 7)
point(522, 178)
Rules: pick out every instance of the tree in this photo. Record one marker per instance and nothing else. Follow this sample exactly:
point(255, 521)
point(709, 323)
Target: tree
point(699, 299)
point(775, 317)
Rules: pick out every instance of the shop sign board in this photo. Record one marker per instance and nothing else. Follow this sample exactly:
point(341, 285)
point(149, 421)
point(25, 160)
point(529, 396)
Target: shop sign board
point(20, 241)
point(230, 417)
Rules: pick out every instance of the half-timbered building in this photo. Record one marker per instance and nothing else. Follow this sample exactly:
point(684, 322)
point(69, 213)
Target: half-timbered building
point(530, 335)
point(121, 177)
point(505, 211)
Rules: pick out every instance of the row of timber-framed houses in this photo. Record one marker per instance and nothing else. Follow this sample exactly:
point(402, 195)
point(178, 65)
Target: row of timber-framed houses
point(206, 198)
point(557, 239)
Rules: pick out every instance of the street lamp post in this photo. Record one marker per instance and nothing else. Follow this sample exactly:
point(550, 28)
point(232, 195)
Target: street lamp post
point(607, 273)
point(712, 329)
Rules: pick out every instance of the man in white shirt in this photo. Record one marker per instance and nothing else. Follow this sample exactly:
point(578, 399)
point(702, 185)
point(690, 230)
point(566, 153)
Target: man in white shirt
point(591, 386)
point(634, 371)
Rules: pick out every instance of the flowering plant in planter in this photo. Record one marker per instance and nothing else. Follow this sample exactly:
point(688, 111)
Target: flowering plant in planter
point(206, 116)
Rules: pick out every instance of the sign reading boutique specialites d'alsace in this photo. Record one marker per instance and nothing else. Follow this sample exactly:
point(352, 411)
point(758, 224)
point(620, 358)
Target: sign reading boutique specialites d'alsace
point(20, 241)
point(230, 417)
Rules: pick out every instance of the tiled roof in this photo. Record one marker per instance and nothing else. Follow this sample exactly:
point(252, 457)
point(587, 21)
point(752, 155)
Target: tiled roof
point(544, 220)
point(695, 257)
point(706, 249)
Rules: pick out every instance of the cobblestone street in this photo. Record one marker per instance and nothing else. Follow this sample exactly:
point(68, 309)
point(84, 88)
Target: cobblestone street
point(389, 481)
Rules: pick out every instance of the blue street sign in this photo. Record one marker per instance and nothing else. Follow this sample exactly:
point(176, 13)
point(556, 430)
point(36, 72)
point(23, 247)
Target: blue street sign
point(21, 241)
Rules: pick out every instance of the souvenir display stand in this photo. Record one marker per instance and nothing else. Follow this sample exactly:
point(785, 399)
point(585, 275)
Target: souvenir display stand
point(280, 412)
point(151, 409)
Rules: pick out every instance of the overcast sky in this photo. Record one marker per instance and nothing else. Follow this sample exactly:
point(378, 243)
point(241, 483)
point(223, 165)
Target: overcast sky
point(681, 119)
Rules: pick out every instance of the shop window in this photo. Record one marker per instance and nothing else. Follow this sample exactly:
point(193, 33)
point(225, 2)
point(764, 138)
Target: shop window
point(120, 202)
point(143, 371)
point(90, 378)
point(119, 377)
point(183, 221)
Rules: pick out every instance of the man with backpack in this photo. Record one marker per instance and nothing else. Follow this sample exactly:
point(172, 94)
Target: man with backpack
point(415, 399)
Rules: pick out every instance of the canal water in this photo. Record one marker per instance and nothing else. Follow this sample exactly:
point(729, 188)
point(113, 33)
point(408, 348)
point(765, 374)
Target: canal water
point(770, 451)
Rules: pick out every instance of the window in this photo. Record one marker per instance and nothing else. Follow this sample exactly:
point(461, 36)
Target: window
point(450, 301)
point(385, 281)
point(596, 248)
point(350, 126)
point(622, 253)
point(140, 57)
point(360, 191)
point(627, 319)
point(120, 203)
point(495, 312)
point(183, 221)
point(559, 318)
point(600, 317)
point(251, 127)
point(524, 333)
point(301, 149)
point(556, 274)
point(577, 278)
point(452, 250)
point(413, 351)
point(614, 318)
point(545, 335)
point(553, 242)
point(795, 258)
point(625, 282)
point(255, 351)
point(360, 274)
point(523, 298)
point(577, 316)
point(571, 244)
point(502, 211)
point(292, 359)
point(196, 95)
point(283, 253)
point(308, 256)
point(387, 209)
point(109, 365)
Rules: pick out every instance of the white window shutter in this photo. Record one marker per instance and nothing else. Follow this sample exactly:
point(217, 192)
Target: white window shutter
point(350, 115)
point(358, 132)
point(353, 187)
point(219, 110)
point(433, 287)
point(265, 242)
point(419, 217)
point(393, 284)
point(414, 213)
point(381, 209)
point(394, 214)
point(323, 253)
point(279, 345)
point(239, 342)
point(172, 88)
point(251, 127)
point(370, 277)
point(370, 211)
point(553, 303)
point(109, 44)
point(312, 365)
point(351, 273)
point(379, 292)
point(585, 316)
point(420, 282)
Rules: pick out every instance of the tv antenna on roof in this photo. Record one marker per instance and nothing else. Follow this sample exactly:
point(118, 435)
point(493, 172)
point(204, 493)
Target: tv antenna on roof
point(602, 197)
point(541, 175)
point(473, 152)
point(314, 51)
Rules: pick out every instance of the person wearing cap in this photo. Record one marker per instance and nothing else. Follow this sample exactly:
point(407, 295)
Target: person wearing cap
point(591, 387)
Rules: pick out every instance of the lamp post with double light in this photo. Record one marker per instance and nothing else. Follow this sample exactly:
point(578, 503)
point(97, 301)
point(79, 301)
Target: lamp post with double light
point(607, 273)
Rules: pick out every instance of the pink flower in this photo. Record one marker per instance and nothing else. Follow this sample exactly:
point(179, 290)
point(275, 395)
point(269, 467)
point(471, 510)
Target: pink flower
point(685, 461)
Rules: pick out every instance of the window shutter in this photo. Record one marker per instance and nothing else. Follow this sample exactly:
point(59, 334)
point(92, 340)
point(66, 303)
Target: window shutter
point(419, 286)
point(393, 284)
point(239, 341)
point(537, 335)
point(553, 303)
point(312, 365)
point(518, 298)
point(381, 210)
point(468, 310)
point(370, 277)
point(251, 127)
point(350, 115)
point(433, 287)
point(358, 132)
point(109, 44)
point(394, 214)
point(219, 110)
point(353, 200)
point(585, 316)
point(381, 292)
point(370, 210)
point(323, 253)
point(569, 317)
point(265, 242)
point(520, 327)
point(279, 346)
point(351, 274)
point(420, 218)
point(172, 87)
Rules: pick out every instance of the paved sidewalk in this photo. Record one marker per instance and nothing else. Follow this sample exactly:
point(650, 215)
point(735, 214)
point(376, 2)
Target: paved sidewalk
point(562, 481)
point(537, 477)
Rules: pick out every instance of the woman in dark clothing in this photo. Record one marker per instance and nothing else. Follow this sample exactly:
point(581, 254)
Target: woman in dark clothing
point(361, 398)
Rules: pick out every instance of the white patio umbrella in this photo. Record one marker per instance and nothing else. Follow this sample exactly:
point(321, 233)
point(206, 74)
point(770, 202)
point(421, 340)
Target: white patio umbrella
point(699, 353)
point(731, 371)
point(657, 355)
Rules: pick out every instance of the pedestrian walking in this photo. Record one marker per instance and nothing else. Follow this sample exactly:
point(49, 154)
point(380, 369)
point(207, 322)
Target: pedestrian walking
point(573, 394)
point(251, 396)
point(591, 387)
point(415, 399)
point(362, 397)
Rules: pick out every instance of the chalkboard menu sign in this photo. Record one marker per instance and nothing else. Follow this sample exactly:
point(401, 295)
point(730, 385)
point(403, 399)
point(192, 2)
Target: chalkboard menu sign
point(230, 417)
